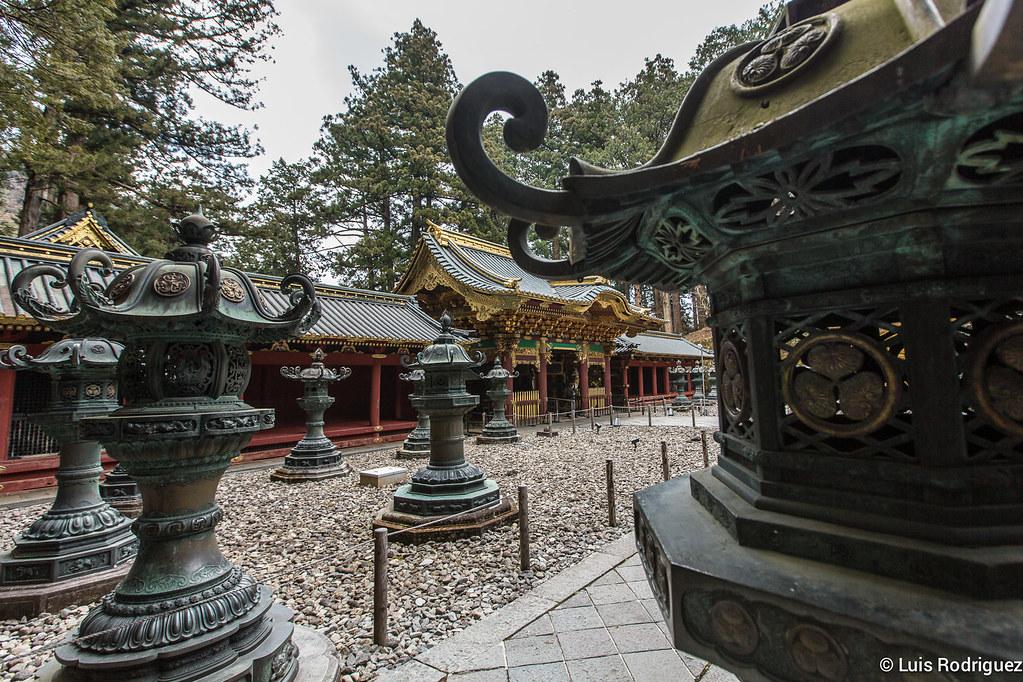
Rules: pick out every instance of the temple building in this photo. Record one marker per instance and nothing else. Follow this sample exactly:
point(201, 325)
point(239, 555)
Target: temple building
point(560, 334)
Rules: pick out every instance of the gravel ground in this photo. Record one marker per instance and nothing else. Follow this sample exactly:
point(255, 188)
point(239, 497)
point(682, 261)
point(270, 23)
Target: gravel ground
point(312, 543)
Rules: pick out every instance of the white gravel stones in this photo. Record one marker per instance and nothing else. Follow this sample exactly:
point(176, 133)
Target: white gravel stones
point(312, 543)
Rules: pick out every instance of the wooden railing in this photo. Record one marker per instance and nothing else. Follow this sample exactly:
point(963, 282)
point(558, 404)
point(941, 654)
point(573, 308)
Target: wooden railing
point(527, 404)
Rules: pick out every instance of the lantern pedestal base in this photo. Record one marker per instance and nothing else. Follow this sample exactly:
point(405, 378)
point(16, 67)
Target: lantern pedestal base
point(488, 440)
point(31, 600)
point(468, 524)
point(404, 452)
point(766, 615)
point(312, 460)
point(257, 647)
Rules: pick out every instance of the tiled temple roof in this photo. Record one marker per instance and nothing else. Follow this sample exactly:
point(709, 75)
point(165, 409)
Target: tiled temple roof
point(486, 266)
point(660, 343)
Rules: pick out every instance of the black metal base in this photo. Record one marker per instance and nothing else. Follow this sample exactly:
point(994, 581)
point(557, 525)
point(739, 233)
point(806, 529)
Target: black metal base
point(498, 431)
point(988, 572)
point(255, 647)
point(768, 616)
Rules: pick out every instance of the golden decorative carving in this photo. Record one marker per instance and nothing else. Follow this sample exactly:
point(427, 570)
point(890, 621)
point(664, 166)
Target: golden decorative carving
point(830, 387)
point(734, 380)
point(232, 290)
point(994, 376)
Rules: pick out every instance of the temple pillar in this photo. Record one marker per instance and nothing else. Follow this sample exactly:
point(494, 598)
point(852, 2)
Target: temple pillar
point(584, 381)
point(542, 382)
point(607, 375)
point(6, 410)
point(374, 391)
point(640, 389)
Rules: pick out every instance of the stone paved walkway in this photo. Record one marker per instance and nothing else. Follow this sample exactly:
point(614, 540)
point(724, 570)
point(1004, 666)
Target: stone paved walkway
point(595, 621)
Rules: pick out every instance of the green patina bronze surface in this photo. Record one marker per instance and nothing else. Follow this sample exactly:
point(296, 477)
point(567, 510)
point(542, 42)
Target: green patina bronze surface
point(183, 607)
point(849, 191)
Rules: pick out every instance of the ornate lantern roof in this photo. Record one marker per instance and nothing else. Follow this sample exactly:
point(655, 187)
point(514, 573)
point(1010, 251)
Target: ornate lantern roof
point(445, 352)
point(189, 290)
point(742, 166)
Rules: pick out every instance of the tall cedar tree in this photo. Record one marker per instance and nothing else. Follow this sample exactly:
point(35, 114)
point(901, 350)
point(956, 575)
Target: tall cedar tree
point(284, 230)
point(139, 152)
point(384, 162)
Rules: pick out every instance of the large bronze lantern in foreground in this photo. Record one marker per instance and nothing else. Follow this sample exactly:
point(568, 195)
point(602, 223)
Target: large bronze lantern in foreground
point(81, 546)
point(183, 612)
point(851, 191)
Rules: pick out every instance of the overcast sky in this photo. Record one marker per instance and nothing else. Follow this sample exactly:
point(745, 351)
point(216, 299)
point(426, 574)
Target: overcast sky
point(581, 41)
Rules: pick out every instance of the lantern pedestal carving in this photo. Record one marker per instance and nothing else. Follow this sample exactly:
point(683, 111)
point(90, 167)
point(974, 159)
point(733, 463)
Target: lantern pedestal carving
point(81, 546)
point(315, 457)
point(448, 484)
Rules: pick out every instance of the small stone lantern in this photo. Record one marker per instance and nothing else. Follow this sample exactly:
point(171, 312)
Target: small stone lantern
point(679, 373)
point(183, 611)
point(417, 444)
point(315, 457)
point(448, 484)
point(498, 429)
point(81, 547)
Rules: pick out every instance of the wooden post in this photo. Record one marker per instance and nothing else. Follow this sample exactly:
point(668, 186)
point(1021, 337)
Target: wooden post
point(523, 528)
point(573, 420)
point(692, 413)
point(380, 586)
point(703, 440)
point(591, 418)
point(664, 460)
point(611, 519)
point(650, 416)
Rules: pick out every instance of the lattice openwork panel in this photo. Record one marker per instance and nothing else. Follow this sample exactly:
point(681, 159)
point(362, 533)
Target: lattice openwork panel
point(988, 336)
point(31, 396)
point(736, 398)
point(843, 378)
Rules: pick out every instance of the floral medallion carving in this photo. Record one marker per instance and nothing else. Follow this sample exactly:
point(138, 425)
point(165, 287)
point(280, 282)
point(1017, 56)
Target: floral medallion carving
point(816, 653)
point(733, 627)
point(734, 380)
point(841, 383)
point(994, 376)
point(119, 287)
point(188, 370)
point(68, 391)
point(171, 284)
point(93, 390)
point(786, 55)
point(232, 290)
point(678, 241)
